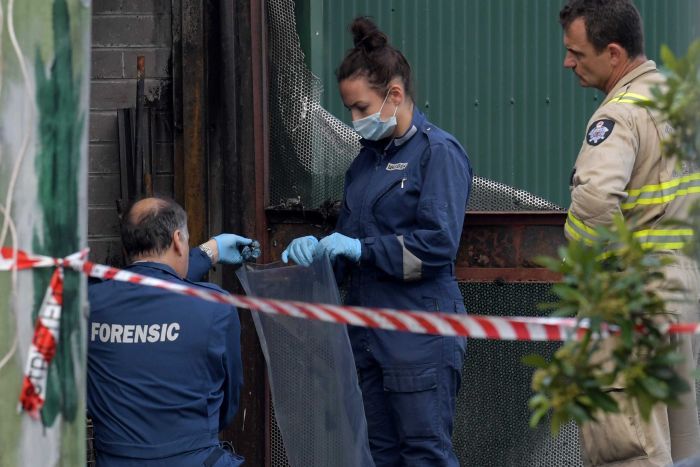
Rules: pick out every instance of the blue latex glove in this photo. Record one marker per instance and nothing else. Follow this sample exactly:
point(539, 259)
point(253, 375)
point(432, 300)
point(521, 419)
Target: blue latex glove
point(229, 246)
point(301, 250)
point(339, 245)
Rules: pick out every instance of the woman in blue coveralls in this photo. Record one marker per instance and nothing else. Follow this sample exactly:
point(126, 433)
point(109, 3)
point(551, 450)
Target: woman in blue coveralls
point(395, 242)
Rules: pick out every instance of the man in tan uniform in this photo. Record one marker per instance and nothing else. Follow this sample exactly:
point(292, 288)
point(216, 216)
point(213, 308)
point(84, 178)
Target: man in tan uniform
point(620, 170)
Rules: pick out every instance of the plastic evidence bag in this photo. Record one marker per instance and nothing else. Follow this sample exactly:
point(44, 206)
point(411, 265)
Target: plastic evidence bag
point(316, 398)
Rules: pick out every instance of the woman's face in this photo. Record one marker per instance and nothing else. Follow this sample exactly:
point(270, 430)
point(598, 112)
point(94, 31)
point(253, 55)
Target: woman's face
point(363, 100)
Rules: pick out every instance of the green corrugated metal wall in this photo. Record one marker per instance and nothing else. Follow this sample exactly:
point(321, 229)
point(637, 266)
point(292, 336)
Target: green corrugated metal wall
point(490, 72)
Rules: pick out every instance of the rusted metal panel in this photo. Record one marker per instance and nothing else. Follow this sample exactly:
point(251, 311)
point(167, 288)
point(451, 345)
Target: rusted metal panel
point(258, 34)
point(505, 275)
point(494, 246)
point(178, 149)
point(512, 245)
point(193, 131)
point(238, 147)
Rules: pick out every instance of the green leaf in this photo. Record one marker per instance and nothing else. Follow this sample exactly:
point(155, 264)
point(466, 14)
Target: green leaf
point(535, 361)
point(678, 385)
point(604, 401)
point(645, 404)
point(537, 417)
point(577, 412)
point(668, 58)
point(553, 264)
point(558, 419)
point(538, 400)
point(568, 369)
point(655, 387)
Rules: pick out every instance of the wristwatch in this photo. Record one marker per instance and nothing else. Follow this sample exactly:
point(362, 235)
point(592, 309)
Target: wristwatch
point(207, 251)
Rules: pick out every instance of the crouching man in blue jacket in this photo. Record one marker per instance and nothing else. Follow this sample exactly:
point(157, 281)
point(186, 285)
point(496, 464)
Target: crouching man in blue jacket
point(164, 370)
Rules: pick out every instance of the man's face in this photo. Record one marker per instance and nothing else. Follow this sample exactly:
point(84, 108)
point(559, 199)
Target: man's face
point(593, 69)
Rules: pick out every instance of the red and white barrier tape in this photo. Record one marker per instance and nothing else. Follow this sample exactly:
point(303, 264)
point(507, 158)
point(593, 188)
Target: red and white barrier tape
point(43, 347)
point(46, 332)
point(447, 324)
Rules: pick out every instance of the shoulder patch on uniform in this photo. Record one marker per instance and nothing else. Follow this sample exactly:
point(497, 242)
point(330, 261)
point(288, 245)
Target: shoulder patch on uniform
point(599, 131)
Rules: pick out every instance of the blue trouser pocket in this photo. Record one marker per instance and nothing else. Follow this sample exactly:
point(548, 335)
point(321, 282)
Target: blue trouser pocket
point(413, 396)
point(454, 347)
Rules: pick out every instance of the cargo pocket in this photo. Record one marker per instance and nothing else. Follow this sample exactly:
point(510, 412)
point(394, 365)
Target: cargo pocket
point(454, 347)
point(413, 395)
point(615, 437)
point(447, 304)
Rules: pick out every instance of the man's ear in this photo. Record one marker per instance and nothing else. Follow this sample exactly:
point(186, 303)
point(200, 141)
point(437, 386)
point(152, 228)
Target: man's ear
point(618, 54)
point(179, 242)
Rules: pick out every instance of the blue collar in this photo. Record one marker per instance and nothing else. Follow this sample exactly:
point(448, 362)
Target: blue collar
point(154, 265)
point(406, 136)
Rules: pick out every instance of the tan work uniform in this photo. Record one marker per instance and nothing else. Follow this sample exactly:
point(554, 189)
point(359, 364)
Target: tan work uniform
point(620, 170)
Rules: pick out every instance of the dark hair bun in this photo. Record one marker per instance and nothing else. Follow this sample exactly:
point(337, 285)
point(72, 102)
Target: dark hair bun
point(366, 35)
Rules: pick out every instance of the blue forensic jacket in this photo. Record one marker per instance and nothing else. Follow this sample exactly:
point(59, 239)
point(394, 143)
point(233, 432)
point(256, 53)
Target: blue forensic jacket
point(405, 200)
point(164, 370)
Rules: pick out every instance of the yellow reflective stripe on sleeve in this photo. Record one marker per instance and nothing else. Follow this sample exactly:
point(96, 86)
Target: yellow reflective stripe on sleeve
point(663, 246)
point(650, 239)
point(665, 232)
point(663, 192)
point(633, 95)
point(629, 98)
point(664, 239)
point(573, 233)
point(578, 230)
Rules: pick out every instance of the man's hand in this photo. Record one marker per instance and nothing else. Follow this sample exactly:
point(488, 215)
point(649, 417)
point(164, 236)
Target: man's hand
point(226, 248)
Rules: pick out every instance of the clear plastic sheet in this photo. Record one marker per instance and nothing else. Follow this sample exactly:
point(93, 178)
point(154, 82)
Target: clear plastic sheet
point(317, 401)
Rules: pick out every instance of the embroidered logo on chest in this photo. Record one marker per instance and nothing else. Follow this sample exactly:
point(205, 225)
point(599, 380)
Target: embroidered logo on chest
point(397, 166)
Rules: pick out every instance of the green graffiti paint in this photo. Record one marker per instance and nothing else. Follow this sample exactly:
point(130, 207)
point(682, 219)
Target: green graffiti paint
point(61, 126)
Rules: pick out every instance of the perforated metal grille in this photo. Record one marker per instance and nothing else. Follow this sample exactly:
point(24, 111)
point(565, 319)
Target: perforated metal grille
point(279, 456)
point(488, 195)
point(310, 149)
point(491, 423)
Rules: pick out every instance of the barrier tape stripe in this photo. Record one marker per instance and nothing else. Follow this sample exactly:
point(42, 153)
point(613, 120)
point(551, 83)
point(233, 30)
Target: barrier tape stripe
point(474, 326)
point(43, 347)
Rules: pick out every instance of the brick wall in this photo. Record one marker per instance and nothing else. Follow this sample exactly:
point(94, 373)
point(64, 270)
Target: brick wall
point(121, 31)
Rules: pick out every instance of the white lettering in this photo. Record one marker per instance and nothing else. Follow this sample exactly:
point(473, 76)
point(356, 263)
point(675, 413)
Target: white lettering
point(50, 323)
point(94, 331)
point(104, 332)
point(140, 335)
point(154, 333)
point(52, 311)
point(134, 333)
point(37, 370)
point(128, 334)
point(116, 334)
point(37, 363)
point(173, 331)
point(397, 166)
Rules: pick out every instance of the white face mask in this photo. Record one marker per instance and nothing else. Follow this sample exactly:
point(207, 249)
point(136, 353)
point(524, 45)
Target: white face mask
point(372, 127)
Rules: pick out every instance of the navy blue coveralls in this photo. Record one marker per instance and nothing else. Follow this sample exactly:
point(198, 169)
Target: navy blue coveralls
point(405, 200)
point(164, 371)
